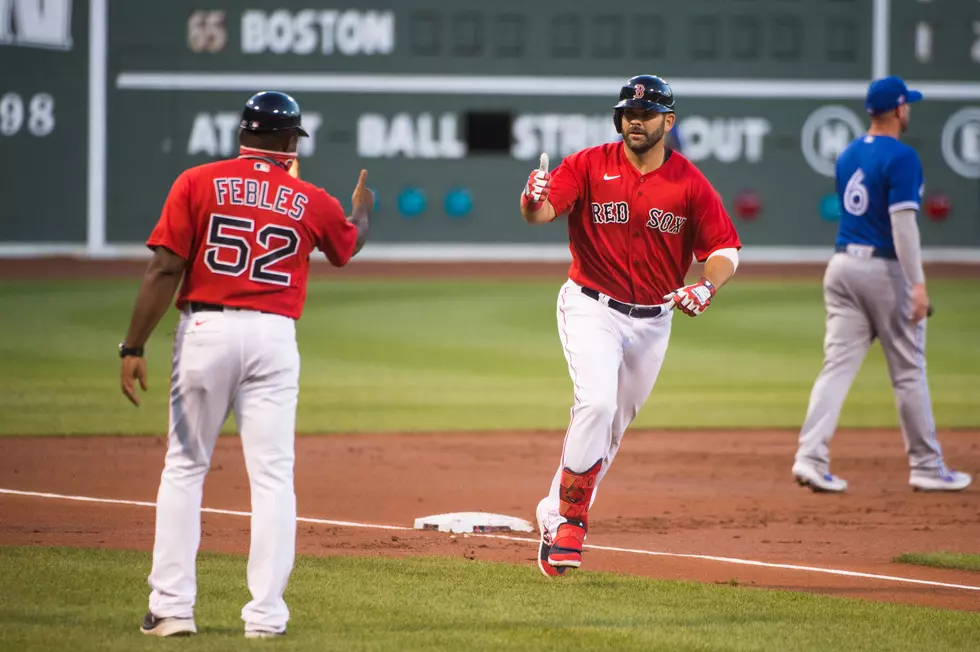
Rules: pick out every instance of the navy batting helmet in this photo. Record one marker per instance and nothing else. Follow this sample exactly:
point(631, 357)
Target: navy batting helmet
point(646, 92)
point(272, 111)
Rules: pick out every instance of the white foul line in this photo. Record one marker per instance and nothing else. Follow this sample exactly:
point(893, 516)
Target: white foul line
point(209, 510)
point(635, 551)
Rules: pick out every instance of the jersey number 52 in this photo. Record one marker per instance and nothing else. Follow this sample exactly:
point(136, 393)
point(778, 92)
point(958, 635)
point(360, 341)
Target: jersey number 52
point(224, 232)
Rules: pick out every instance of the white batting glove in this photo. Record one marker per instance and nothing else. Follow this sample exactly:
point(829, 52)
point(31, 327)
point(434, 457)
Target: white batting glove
point(693, 299)
point(538, 186)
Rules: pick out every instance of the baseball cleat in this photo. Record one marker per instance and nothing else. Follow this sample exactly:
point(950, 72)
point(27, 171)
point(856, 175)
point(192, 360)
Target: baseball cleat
point(154, 626)
point(807, 476)
point(544, 547)
point(263, 633)
point(566, 549)
point(934, 481)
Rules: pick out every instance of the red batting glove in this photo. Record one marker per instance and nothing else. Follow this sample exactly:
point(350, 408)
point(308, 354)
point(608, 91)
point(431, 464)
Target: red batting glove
point(536, 190)
point(693, 299)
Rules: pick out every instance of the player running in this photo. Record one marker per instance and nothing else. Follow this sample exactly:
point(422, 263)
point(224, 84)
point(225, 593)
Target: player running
point(874, 288)
point(637, 214)
point(239, 233)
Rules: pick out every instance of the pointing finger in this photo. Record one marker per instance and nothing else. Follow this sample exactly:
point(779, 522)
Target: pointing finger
point(130, 392)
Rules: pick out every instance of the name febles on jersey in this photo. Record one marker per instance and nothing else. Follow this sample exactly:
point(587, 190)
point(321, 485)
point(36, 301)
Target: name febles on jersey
point(247, 229)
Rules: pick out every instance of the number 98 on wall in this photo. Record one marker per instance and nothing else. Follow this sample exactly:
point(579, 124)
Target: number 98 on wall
point(34, 115)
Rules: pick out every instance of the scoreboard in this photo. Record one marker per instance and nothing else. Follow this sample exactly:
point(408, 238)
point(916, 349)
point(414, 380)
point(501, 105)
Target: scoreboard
point(448, 104)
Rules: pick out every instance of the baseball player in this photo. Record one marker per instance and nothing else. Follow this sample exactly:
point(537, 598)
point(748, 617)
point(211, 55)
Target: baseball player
point(637, 214)
point(874, 288)
point(239, 232)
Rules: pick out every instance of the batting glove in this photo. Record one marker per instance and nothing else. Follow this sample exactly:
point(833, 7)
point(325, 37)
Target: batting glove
point(693, 299)
point(536, 190)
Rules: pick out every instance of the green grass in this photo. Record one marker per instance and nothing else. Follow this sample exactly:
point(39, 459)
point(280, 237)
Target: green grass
point(449, 355)
point(955, 560)
point(79, 600)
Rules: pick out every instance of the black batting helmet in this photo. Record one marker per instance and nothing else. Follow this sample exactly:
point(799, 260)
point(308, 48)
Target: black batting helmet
point(646, 92)
point(271, 111)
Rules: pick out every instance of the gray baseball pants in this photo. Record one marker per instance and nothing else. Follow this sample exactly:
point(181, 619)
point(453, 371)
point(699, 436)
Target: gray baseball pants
point(868, 299)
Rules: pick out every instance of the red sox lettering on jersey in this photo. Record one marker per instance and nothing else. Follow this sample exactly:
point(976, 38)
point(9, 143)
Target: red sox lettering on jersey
point(632, 236)
point(619, 213)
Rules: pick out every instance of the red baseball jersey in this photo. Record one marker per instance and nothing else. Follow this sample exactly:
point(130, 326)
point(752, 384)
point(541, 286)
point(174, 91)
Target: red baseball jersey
point(247, 229)
point(633, 236)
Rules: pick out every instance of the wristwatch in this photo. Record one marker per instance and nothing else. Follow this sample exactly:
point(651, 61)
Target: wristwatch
point(124, 351)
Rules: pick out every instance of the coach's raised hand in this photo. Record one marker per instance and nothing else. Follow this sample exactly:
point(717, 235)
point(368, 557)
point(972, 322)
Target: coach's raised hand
point(363, 196)
point(362, 203)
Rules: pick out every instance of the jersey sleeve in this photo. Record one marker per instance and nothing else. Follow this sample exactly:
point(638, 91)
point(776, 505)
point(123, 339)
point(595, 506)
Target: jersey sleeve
point(567, 183)
point(714, 229)
point(336, 236)
point(175, 228)
point(905, 183)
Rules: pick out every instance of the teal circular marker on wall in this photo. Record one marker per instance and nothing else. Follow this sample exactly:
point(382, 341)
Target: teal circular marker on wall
point(459, 203)
point(829, 208)
point(411, 202)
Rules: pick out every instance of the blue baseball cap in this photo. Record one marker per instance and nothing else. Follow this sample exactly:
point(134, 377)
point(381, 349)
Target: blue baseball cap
point(887, 94)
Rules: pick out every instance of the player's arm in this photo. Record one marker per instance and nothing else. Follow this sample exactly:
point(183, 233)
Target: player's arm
point(720, 266)
point(905, 232)
point(537, 212)
point(716, 243)
point(160, 282)
point(338, 235)
point(904, 191)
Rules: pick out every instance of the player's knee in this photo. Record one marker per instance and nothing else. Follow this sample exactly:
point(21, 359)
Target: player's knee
point(274, 472)
point(600, 410)
point(186, 467)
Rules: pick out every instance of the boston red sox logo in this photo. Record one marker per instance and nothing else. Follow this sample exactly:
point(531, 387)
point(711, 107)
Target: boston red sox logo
point(638, 91)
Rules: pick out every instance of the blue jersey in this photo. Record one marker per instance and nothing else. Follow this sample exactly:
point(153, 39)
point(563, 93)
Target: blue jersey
point(875, 176)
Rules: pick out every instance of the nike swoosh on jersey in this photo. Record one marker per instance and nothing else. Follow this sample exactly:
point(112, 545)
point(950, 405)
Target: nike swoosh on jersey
point(606, 177)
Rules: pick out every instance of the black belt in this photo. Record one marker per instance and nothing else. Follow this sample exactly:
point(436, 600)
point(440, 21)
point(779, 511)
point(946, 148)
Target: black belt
point(198, 306)
point(875, 252)
point(628, 309)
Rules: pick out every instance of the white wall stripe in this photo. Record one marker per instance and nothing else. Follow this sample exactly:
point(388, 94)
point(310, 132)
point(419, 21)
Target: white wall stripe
point(635, 551)
point(817, 89)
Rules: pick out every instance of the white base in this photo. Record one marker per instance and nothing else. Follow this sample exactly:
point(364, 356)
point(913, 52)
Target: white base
point(473, 522)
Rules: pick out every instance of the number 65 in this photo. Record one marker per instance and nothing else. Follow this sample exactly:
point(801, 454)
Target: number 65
point(206, 31)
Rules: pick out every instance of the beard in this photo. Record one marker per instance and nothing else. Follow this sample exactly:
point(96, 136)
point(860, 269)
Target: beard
point(649, 141)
